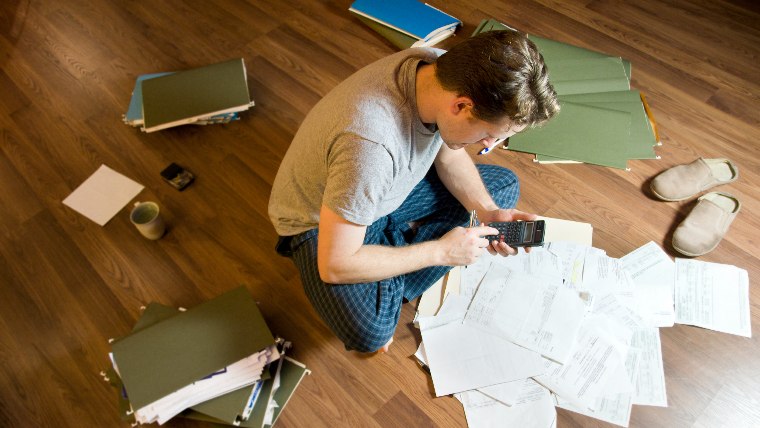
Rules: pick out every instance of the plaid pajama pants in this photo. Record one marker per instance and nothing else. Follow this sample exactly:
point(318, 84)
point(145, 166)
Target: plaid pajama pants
point(364, 316)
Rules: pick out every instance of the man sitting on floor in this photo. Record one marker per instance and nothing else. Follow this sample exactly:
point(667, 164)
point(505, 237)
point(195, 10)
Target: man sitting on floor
point(373, 193)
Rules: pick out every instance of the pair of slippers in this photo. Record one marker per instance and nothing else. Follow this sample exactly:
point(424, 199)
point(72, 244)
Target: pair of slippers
point(707, 223)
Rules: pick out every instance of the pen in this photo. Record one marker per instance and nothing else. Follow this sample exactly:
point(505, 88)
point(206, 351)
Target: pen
point(487, 150)
point(473, 222)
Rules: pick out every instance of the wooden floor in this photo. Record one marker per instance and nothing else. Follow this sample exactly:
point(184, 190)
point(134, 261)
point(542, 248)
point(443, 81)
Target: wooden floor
point(67, 285)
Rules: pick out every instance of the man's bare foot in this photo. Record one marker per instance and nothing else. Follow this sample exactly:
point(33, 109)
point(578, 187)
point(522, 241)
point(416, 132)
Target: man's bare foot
point(385, 347)
point(381, 350)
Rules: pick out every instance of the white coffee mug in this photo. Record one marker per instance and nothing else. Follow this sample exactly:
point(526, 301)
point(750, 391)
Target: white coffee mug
point(147, 219)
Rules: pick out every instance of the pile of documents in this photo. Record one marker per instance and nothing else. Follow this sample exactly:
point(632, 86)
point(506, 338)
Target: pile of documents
point(602, 121)
point(211, 94)
point(216, 362)
point(568, 326)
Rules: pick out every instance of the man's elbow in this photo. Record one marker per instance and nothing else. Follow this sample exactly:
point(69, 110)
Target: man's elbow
point(327, 276)
point(330, 273)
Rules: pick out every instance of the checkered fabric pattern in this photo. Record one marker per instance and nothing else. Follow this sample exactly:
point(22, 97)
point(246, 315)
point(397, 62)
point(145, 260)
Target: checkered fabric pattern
point(364, 316)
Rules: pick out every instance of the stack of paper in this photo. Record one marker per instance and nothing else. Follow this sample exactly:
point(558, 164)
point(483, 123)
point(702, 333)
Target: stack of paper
point(568, 326)
point(406, 23)
point(212, 94)
point(217, 362)
point(602, 120)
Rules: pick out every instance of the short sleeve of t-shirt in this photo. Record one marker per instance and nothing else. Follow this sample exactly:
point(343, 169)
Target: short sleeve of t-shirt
point(360, 174)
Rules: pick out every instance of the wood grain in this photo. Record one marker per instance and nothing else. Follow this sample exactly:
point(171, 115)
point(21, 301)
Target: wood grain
point(67, 285)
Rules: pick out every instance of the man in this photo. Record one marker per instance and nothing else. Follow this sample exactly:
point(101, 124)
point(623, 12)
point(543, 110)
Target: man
point(373, 192)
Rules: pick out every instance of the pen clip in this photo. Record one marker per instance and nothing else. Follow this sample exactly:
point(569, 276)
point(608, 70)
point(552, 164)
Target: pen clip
point(474, 218)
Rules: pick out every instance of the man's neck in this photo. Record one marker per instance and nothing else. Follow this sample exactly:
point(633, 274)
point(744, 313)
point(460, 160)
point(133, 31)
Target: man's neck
point(428, 93)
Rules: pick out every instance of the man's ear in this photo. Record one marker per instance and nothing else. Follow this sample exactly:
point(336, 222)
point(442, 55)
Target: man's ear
point(461, 104)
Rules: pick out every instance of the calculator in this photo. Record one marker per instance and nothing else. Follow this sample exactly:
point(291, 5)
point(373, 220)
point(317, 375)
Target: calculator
point(519, 233)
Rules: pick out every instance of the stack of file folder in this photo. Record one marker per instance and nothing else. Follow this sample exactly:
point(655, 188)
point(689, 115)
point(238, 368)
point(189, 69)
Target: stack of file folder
point(217, 362)
point(603, 121)
point(211, 94)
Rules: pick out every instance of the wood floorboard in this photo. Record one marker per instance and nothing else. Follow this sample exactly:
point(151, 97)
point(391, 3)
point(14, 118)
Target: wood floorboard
point(67, 285)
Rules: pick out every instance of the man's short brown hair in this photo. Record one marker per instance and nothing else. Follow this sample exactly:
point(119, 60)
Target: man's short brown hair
point(504, 75)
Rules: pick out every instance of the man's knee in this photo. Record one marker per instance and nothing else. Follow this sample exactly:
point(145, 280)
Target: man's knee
point(368, 333)
point(363, 316)
point(502, 184)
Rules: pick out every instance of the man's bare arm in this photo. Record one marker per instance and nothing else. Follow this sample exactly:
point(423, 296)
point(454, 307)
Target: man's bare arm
point(344, 259)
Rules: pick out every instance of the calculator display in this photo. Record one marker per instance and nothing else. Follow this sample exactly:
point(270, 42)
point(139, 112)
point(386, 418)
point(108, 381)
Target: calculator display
point(528, 232)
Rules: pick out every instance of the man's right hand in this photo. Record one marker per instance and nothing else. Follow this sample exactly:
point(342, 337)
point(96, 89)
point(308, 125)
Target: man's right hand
point(462, 246)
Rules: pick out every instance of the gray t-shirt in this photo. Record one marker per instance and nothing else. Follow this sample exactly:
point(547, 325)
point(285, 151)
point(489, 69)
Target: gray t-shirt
point(359, 151)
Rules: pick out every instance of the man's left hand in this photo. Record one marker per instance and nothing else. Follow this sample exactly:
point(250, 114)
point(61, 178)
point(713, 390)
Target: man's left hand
point(496, 247)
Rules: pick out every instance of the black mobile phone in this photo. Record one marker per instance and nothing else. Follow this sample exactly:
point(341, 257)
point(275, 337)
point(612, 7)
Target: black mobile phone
point(177, 176)
point(519, 233)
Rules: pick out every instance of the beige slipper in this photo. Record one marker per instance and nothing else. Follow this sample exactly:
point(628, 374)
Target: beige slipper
point(707, 223)
point(684, 181)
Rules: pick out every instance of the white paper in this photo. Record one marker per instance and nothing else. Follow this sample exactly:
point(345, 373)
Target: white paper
point(653, 273)
point(517, 392)
point(471, 275)
point(506, 393)
point(539, 261)
point(603, 275)
point(530, 310)
point(273, 405)
point(102, 195)
point(572, 256)
point(531, 391)
point(483, 412)
point(421, 355)
point(461, 357)
point(611, 306)
point(713, 296)
point(596, 369)
point(615, 409)
point(235, 376)
point(650, 379)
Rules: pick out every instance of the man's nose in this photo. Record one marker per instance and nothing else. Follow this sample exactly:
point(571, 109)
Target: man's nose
point(488, 142)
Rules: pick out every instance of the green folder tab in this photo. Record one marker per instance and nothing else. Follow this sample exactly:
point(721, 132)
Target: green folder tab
point(291, 374)
point(641, 140)
point(553, 50)
point(580, 133)
point(580, 76)
point(189, 96)
point(153, 314)
point(171, 354)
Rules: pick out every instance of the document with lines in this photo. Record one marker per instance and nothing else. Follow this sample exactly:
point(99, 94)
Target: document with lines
point(530, 310)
